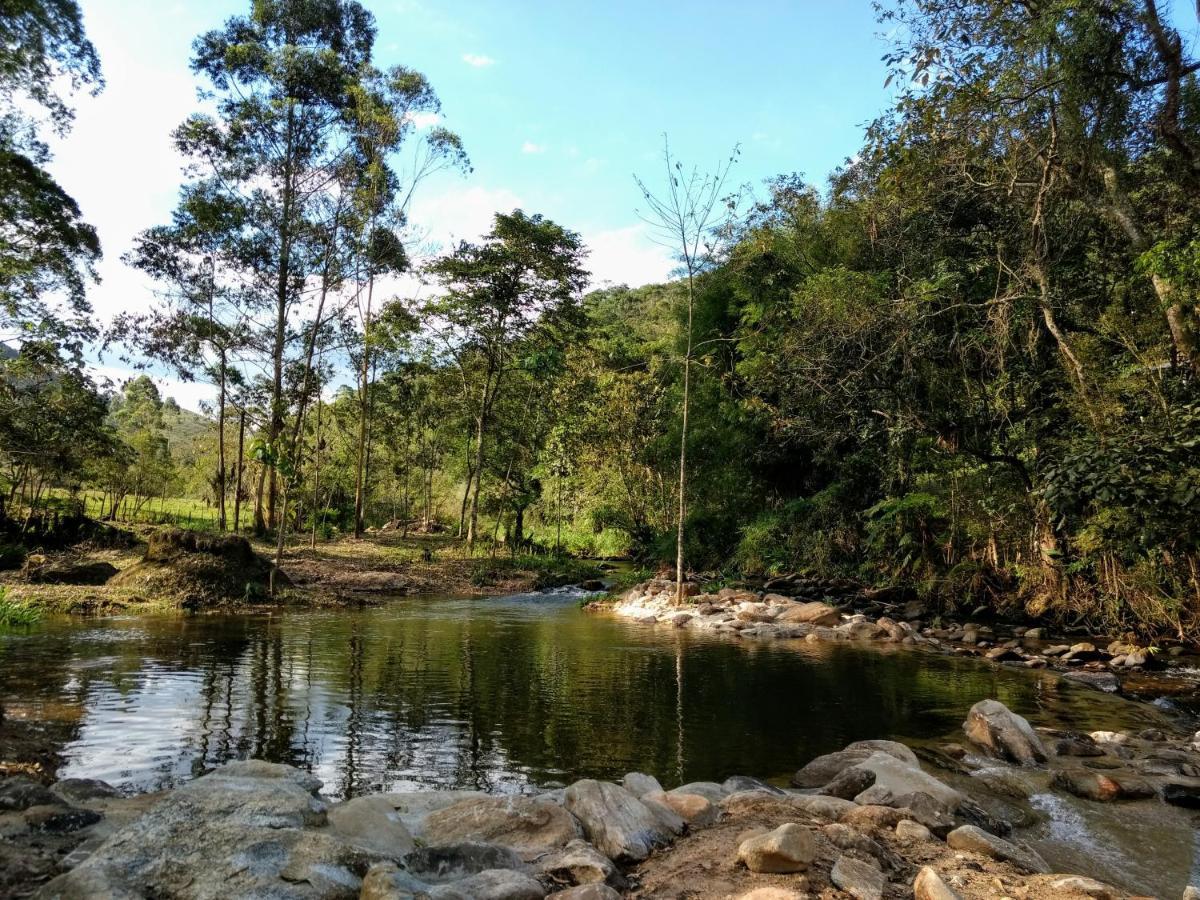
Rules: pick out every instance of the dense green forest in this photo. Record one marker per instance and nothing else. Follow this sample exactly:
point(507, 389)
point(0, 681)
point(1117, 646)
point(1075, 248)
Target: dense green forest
point(966, 363)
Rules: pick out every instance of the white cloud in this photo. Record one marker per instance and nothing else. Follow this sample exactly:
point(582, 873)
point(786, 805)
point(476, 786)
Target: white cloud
point(461, 212)
point(423, 119)
point(627, 256)
point(531, 147)
point(478, 60)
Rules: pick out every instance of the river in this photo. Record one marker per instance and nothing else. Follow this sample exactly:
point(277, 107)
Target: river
point(507, 693)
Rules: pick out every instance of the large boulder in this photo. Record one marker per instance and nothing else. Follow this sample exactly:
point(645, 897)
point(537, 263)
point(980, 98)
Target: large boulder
point(453, 862)
point(895, 779)
point(813, 613)
point(491, 884)
point(249, 829)
point(580, 863)
point(616, 822)
point(823, 769)
point(528, 825)
point(371, 823)
point(1000, 732)
point(789, 848)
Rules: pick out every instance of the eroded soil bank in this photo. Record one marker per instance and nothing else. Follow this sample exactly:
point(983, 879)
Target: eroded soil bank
point(872, 821)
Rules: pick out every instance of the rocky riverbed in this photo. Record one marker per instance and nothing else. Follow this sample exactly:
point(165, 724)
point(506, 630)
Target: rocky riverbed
point(818, 610)
point(875, 820)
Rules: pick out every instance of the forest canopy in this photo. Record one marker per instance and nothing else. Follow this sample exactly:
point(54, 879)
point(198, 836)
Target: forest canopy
point(966, 364)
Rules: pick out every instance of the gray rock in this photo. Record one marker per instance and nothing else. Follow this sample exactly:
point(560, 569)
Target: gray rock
point(789, 848)
point(900, 751)
point(531, 826)
point(857, 878)
point(894, 779)
point(617, 823)
point(580, 863)
point(491, 884)
point(1183, 793)
point(832, 808)
point(452, 862)
point(735, 783)
point(386, 881)
point(1101, 681)
point(76, 791)
point(415, 807)
point(248, 829)
point(975, 840)
point(638, 783)
point(371, 823)
point(908, 830)
point(999, 731)
point(849, 783)
point(709, 789)
point(19, 792)
point(667, 817)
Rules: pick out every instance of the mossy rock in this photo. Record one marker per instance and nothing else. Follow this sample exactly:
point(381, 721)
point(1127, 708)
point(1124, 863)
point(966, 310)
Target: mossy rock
point(200, 569)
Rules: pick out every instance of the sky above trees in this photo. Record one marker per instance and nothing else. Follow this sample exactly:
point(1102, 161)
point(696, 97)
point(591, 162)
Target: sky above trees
point(558, 106)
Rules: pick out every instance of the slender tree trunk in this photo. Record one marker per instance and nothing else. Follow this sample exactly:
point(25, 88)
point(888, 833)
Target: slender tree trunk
point(363, 403)
point(462, 512)
point(237, 488)
point(683, 435)
point(316, 475)
point(473, 521)
point(221, 475)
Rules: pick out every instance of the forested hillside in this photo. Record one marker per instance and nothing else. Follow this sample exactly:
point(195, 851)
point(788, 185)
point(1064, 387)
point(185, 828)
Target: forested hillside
point(963, 364)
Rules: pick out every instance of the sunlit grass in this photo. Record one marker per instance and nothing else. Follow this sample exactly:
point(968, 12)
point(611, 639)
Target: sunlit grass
point(14, 613)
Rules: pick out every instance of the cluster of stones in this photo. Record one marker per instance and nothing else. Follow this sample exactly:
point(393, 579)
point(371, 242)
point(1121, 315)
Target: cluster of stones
point(868, 821)
point(818, 610)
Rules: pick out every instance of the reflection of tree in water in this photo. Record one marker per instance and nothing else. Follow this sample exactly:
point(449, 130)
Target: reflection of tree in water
point(461, 696)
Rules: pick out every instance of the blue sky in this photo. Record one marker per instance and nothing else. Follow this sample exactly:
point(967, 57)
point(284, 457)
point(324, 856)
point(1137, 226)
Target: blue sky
point(558, 104)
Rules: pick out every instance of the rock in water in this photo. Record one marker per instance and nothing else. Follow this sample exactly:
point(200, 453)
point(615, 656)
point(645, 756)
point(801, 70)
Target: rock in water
point(249, 829)
point(530, 826)
point(857, 878)
point(1002, 733)
point(789, 848)
point(616, 822)
point(928, 885)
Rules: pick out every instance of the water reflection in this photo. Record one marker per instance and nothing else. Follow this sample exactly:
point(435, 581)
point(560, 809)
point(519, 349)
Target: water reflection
point(494, 694)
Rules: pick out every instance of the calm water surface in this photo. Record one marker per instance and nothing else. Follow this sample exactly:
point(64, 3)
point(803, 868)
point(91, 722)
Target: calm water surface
point(489, 693)
point(510, 692)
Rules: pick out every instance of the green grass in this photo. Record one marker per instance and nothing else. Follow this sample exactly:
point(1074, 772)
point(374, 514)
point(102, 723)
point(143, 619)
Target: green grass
point(14, 613)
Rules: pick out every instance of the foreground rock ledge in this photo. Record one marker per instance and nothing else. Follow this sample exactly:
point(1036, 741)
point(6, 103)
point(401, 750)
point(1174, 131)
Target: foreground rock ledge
point(869, 823)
